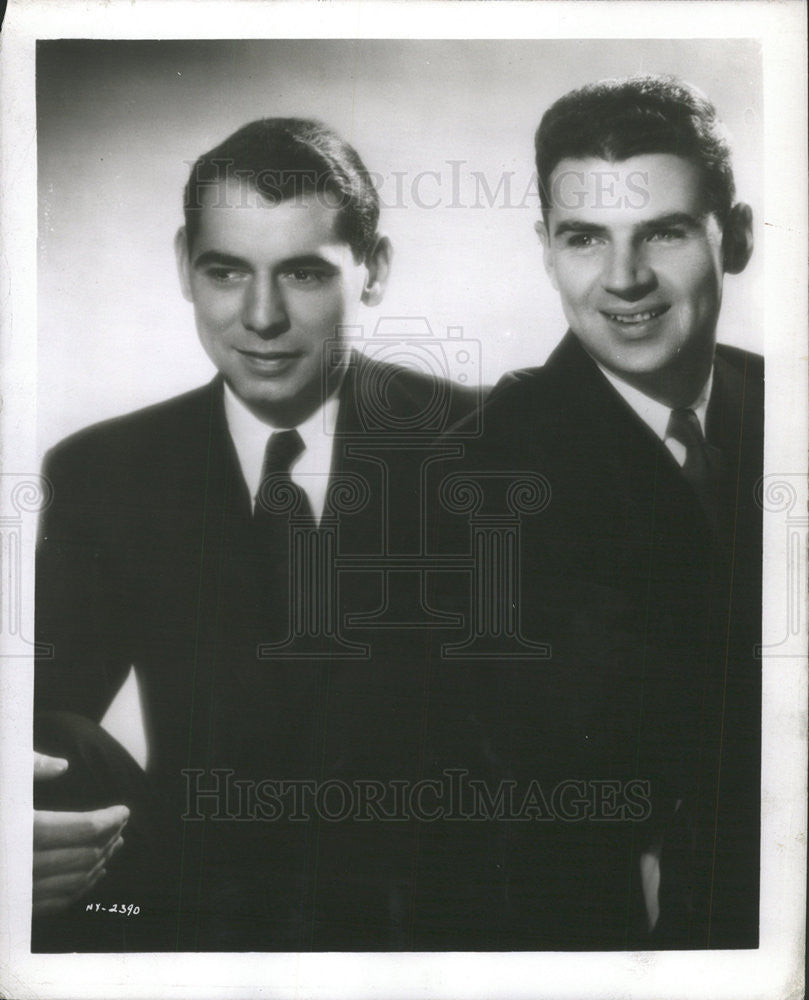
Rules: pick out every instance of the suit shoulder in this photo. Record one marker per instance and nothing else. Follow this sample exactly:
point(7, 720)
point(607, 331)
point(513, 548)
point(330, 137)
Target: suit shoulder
point(151, 430)
point(520, 381)
point(509, 409)
point(518, 390)
point(414, 391)
point(743, 371)
point(741, 360)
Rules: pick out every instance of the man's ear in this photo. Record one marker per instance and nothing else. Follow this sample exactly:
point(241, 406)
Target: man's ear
point(183, 262)
point(737, 239)
point(547, 251)
point(378, 264)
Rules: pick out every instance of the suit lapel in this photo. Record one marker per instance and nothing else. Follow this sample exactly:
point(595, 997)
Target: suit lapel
point(206, 475)
point(222, 464)
point(608, 436)
point(726, 406)
point(371, 449)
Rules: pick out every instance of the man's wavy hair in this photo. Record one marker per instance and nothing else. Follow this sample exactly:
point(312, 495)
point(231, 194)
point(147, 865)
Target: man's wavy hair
point(288, 158)
point(614, 120)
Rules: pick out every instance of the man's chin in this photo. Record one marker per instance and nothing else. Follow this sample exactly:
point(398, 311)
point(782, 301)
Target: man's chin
point(285, 405)
point(273, 408)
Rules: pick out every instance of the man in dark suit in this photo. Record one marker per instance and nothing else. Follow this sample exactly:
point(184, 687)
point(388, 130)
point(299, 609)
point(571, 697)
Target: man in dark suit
point(643, 572)
point(197, 541)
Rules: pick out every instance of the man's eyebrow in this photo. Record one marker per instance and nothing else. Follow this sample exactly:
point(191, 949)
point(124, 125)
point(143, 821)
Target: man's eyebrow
point(305, 260)
point(673, 219)
point(577, 226)
point(215, 257)
point(667, 221)
point(209, 257)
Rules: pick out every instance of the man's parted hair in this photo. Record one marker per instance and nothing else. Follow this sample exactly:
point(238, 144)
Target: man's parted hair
point(616, 119)
point(286, 158)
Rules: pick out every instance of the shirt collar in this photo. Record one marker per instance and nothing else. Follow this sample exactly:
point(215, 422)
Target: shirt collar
point(652, 412)
point(250, 436)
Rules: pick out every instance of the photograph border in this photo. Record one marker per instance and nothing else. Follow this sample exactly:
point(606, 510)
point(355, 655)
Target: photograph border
point(775, 969)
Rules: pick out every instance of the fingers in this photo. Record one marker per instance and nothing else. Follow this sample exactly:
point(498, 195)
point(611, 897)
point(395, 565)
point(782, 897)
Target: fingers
point(62, 877)
point(71, 849)
point(46, 907)
point(63, 860)
point(57, 894)
point(78, 829)
point(71, 852)
point(67, 886)
point(46, 767)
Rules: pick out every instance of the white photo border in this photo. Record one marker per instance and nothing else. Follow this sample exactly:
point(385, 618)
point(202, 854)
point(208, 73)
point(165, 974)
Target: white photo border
point(775, 969)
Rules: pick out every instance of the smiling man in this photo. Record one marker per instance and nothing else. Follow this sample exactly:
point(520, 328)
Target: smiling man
point(640, 269)
point(643, 572)
point(167, 551)
point(272, 283)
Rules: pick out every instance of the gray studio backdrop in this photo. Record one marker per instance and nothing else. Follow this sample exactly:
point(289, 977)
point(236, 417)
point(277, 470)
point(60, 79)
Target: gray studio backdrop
point(447, 128)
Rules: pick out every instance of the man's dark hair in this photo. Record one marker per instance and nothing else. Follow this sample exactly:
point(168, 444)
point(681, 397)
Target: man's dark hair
point(286, 158)
point(617, 119)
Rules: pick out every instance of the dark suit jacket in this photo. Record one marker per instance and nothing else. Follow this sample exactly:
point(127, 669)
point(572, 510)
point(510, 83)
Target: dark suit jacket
point(652, 615)
point(148, 556)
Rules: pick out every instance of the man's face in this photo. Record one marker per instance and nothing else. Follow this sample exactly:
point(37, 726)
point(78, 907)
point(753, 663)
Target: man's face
point(637, 260)
point(270, 285)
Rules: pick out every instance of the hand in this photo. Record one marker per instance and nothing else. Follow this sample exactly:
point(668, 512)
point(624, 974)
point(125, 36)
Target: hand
point(71, 849)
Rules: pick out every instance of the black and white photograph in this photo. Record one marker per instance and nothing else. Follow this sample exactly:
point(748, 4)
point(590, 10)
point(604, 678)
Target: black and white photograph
point(404, 486)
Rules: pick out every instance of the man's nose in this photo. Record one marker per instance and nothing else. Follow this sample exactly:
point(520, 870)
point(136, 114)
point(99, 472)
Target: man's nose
point(627, 272)
point(264, 311)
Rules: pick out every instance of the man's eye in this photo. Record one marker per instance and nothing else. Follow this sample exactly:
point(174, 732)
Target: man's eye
point(582, 240)
point(669, 235)
point(224, 275)
point(304, 275)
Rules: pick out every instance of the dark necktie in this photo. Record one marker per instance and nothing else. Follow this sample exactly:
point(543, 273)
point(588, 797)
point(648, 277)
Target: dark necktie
point(278, 497)
point(281, 506)
point(701, 467)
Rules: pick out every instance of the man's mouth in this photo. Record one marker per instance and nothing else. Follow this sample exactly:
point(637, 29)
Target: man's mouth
point(634, 318)
point(268, 355)
point(269, 360)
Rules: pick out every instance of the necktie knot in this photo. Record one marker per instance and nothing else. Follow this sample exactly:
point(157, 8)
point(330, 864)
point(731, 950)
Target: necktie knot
point(277, 493)
point(282, 449)
point(701, 467)
point(684, 426)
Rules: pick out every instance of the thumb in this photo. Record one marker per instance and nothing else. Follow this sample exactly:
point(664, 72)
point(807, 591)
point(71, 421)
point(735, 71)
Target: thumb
point(48, 767)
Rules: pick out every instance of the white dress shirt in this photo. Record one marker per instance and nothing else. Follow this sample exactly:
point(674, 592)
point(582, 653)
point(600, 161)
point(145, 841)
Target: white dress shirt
point(656, 415)
point(309, 471)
